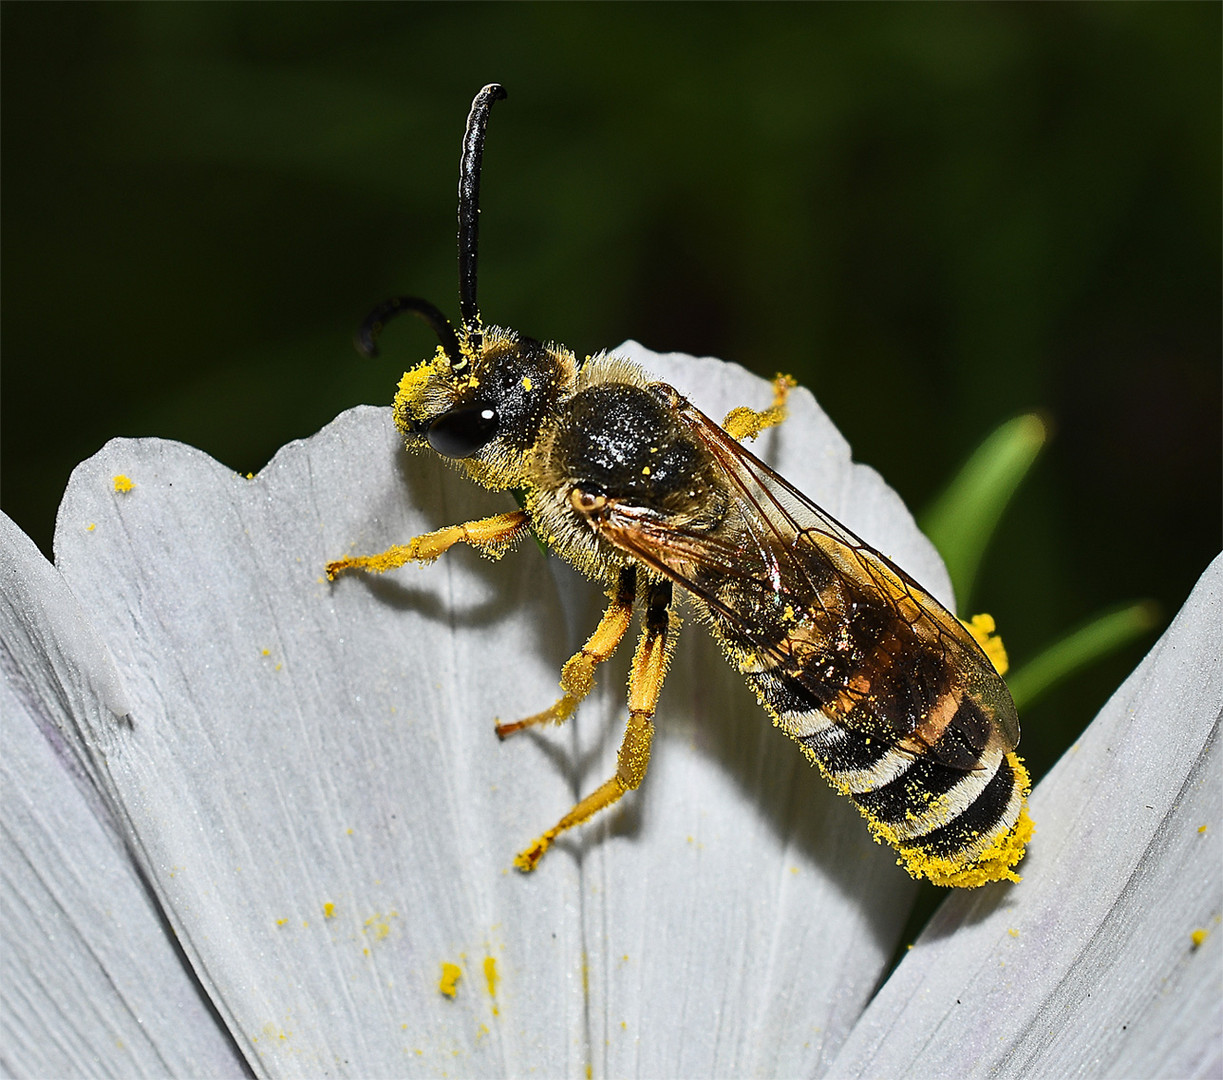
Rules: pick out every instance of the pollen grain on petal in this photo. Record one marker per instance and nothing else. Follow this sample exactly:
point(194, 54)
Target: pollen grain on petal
point(449, 984)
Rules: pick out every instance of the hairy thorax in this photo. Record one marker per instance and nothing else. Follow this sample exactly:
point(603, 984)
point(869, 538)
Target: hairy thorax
point(616, 448)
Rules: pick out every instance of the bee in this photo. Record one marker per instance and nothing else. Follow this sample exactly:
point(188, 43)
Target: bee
point(882, 688)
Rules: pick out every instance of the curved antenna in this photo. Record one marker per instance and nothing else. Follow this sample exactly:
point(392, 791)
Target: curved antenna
point(367, 335)
point(469, 206)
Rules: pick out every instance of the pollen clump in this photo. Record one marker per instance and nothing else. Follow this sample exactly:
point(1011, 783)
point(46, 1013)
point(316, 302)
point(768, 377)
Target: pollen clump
point(449, 984)
point(984, 633)
point(744, 423)
point(491, 978)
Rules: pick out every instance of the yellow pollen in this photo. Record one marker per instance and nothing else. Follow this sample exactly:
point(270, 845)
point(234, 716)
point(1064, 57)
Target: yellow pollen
point(450, 979)
point(984, 632)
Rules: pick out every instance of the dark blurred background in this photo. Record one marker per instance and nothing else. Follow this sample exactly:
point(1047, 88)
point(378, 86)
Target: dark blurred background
point(936, 216)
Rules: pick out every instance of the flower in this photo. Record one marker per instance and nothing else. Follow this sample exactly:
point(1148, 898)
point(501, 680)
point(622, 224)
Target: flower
point(257, 821)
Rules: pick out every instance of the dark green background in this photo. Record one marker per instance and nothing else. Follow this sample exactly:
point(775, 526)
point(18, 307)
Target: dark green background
point(935, 216)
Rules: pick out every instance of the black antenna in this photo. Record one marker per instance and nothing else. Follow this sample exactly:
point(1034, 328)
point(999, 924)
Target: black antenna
point(469, 207)
point(367, 336)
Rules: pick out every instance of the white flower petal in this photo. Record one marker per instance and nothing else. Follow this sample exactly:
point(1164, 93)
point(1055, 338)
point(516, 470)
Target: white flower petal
point(1088, 967)
point(310, 776)
point(91, 981)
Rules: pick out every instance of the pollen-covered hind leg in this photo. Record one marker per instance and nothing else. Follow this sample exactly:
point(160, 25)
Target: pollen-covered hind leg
point(744, 423)
point(645, 682)
point(577, 676)
point(491, 535)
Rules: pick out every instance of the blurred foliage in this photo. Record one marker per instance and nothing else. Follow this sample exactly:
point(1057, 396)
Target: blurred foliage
point(937, 216)
point(1098, 637)
point(964, 519)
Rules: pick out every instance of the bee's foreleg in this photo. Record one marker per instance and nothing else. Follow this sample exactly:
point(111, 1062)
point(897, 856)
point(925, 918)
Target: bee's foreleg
point(577, 676)
point(491, 535)
point(645, 682)
point(744, 423)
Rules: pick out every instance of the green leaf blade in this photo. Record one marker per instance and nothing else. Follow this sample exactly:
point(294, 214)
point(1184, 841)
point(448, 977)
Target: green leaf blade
point(962, 520)
point(1099, 637)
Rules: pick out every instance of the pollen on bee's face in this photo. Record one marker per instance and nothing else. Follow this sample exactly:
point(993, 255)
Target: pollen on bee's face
point(412, 387)
point(423, 394)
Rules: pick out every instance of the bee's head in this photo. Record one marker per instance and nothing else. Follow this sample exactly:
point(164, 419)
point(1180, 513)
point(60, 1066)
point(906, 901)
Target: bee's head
point(483, 397)
point(485, 403)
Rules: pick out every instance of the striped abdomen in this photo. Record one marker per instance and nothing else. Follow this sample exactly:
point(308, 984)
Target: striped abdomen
point(906, 727)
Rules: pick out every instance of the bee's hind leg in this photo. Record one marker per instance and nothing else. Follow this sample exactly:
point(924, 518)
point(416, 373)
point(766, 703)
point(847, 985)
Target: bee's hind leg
point(577, 676)
point(645, 682)
point(492, 536)
point(744, 423)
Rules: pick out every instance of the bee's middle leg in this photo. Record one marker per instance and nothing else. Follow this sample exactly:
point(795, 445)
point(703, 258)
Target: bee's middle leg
point(577, 676)
point(645, 683)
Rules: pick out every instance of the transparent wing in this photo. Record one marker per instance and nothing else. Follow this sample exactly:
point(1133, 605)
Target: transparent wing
point(783, 554)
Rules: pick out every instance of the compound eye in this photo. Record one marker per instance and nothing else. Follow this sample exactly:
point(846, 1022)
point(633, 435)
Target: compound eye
point(461, 432)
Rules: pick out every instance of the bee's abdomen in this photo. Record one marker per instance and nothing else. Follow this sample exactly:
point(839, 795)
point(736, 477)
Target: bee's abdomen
point(953, 810)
